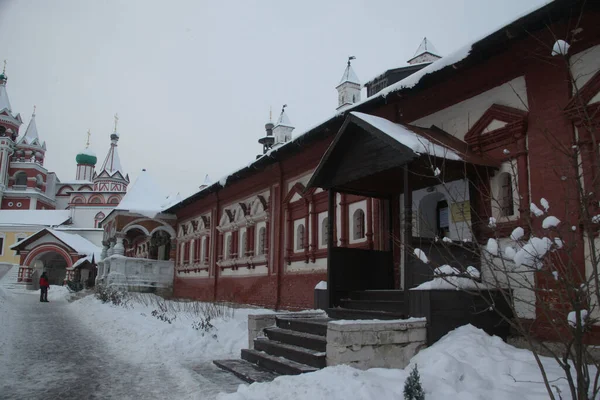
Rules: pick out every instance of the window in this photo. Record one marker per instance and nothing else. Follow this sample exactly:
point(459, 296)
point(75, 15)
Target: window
point(507, 205)
point(96, 200)
point(358, 220)
point(228, 246)
point(325, 231)
point(300, 237)
point(1, 245)
point(262, 240)
point(99, 217)
point(114, 200)
point(78, 200)
point(244, 244)
point(443, 222)
point(21, 178)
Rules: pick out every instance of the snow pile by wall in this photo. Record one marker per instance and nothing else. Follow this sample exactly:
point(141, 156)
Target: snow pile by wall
point(465, 364)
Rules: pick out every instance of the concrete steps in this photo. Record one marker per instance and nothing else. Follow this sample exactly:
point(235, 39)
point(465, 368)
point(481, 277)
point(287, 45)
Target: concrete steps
point(347, 313)
point(294, 346)
point(9, 280)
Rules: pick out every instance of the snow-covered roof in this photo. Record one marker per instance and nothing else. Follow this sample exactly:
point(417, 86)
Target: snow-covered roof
point(4, 101)
point(349, 76)
point(426, 47)
point(145, 197)
point(453, 58)
point(407, 137)
point(76, 242)
point(112, 162)
point(31, 134)
point(34, 217)
point(88, 152)
point(283, 119)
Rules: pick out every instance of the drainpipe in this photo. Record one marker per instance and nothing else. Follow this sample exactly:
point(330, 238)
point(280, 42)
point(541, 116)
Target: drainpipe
point(215, 244)
point(281, 237)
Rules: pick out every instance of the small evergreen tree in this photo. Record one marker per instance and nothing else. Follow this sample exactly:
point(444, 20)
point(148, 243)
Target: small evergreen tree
point(412, 387)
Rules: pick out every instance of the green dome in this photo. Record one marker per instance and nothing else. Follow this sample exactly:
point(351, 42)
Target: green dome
point(2, 77)
point(86, 157)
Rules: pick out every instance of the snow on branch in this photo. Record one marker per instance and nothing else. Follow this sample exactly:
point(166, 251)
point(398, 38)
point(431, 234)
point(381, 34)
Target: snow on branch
point(560, 48)
point(550, 222)
point(420, 254)
point(535, 210)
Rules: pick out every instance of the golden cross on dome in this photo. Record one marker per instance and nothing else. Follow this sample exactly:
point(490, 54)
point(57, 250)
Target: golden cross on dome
point(88, 139)
point(116, 121)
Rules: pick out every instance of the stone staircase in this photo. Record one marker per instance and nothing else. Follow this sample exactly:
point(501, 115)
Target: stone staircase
point(293, 346)
point(371, 304)
point(9, 280)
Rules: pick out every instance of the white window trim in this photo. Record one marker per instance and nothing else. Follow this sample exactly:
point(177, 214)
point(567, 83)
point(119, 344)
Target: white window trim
point(496, 189)
point(3, 237)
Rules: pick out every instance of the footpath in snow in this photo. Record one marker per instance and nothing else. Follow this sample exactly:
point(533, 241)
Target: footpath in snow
point(467, 363)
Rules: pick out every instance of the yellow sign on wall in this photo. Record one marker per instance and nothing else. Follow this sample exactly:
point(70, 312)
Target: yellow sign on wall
point(461, 212)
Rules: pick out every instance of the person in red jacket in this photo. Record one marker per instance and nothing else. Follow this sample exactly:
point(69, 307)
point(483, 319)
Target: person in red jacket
point(44, 284)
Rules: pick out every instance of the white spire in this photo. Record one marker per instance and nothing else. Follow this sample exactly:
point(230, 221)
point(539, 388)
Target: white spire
point(426, 52)
point(282, 132)
point(349, 87)
point(4, 101)
point(349, 74)
point(31, 134)
point(112, 162)
point(426, 47)
point(283, 118)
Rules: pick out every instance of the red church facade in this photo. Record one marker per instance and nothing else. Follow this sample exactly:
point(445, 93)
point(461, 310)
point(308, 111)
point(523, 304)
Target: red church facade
point(260, 236)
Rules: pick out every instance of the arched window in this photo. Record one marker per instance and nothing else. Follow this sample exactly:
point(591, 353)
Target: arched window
point(507, 205)
point(262, 240)
point(78, 200)
point(244, 245)
point(228, 246)
point(99, 217)
point(325, 231)
point(96, 200)
point(21, 178)
point(114, 200)
point(358, 220)
point(300, 237)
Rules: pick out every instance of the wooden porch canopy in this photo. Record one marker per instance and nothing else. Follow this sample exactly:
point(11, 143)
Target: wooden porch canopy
point(374, 157)
point(368, 155)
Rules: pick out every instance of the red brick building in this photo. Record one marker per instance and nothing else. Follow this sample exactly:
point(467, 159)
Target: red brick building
point(260, 236)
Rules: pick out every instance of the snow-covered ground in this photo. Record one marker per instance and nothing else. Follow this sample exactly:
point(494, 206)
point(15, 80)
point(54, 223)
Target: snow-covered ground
point(467, 363)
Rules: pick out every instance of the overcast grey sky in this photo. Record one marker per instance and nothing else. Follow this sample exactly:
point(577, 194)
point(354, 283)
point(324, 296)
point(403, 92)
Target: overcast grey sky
point(193, 81)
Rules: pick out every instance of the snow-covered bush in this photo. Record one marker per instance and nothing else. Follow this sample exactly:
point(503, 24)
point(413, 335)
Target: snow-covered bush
point(109, 294)
point(412, 386)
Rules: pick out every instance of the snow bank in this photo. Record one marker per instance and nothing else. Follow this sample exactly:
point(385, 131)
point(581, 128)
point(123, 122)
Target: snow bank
point(137, 335)
point(465, 364)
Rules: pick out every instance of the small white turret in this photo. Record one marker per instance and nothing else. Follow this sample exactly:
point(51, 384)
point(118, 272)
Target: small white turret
point(349, 87)
point(282, 132)
point(426, 53)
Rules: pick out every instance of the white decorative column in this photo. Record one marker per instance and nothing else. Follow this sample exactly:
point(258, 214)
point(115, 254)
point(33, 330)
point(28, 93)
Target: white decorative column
point(104, 253)
point(119, 249)
point(110, 250)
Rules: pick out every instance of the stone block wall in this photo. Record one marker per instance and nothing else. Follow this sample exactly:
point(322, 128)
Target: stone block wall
point(374, 343)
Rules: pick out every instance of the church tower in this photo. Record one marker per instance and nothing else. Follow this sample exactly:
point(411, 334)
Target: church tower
point(86, 163)
point(349, 87)
point(426, 53)
point(282, 132)
point(9, 130)
point(112, 177)
point(267, 140)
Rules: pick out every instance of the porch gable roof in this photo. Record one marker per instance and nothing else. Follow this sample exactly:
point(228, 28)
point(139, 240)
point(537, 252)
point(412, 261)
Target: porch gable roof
point(367, 144)
point(76, 243)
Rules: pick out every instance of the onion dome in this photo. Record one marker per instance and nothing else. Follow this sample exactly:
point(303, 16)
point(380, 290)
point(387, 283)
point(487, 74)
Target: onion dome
point(87, 157)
